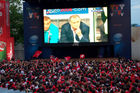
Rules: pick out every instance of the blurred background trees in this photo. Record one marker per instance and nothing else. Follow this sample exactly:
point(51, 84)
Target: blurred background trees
point(16, 20)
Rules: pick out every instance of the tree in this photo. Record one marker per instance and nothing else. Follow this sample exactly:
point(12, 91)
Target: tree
point(134, 25)
point(16, 20)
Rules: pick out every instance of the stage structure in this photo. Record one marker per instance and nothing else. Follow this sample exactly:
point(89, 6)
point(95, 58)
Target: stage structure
point(6, 42)
point(118, 28)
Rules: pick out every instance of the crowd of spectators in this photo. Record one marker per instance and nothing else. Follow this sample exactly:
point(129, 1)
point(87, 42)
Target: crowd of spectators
point(71, 76)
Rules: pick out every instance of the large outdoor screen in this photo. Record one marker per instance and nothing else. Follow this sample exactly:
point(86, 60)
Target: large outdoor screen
point(75, 25)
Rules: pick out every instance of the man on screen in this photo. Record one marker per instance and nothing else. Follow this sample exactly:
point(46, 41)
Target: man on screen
point(51, 32)
point(74, 31)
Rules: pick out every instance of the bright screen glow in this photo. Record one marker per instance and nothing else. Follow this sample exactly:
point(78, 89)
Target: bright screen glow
point(76, 25)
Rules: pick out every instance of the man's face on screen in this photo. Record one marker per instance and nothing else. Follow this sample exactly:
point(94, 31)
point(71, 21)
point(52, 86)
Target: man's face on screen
point(47, 24)
point(75, 22)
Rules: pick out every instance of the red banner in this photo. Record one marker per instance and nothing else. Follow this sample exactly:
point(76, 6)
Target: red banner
point(1, 18)
point(5, 29)
point(10, 48)
point(4, 19)
point(2, 49)
point(2, 44)
point(7, 19)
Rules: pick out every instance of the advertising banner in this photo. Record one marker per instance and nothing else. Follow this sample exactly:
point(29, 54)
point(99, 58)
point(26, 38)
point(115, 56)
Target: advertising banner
point(67, 11)
point(7, 19)
point(2, 50)
point(4, 19)
point(6, 42)
point(120, 28)
point(10, 48)
point(1, 18)
point(33, 31)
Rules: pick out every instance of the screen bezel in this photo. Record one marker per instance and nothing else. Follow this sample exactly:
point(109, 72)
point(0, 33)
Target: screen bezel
point(83, 43)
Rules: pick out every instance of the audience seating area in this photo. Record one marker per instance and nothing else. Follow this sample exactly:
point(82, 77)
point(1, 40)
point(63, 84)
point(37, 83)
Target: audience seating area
point(94, 75)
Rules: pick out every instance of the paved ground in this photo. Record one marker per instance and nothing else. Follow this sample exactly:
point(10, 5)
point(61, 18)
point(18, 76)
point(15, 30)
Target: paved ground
point(5, 90)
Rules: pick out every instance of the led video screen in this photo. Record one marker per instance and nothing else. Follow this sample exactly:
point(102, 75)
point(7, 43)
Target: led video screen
point(75, 25)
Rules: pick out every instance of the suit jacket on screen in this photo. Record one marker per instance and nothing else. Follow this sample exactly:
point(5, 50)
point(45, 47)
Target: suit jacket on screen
point(67, 33)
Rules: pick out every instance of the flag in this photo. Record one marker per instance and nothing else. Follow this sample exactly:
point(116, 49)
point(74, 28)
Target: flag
point(56, 59)
point(67, 58)
point(37, 53)
point(82, 56)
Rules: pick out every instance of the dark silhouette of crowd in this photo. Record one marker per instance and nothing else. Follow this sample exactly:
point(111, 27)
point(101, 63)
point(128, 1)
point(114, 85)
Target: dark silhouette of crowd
point(71, 76)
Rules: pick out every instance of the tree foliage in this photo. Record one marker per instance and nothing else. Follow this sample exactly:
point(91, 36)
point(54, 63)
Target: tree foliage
point(134, 25)
point(16, 20)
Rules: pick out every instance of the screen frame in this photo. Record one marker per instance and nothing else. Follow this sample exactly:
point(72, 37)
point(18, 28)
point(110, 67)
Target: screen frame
point(82, 43)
